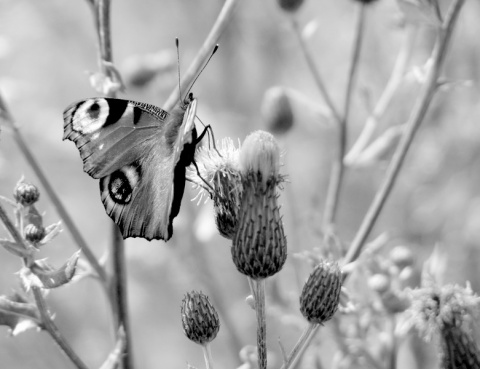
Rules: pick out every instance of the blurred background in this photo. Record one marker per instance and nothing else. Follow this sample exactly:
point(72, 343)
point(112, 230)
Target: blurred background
point(47, 49)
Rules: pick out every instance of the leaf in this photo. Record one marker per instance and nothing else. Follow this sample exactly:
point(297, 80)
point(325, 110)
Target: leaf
point(18, 314)
point(43, 275)
point(14, 248)
point(51, 232)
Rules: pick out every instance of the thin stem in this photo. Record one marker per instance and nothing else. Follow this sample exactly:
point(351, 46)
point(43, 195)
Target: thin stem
point(47, 322)
point(418, 113)
point(207, 354)
point(57, 203)
point(118, 285)
point(259, 294)
point(393, 83)
point(313, 69)
point(204, 53)
point(301, 345)
point(338, 168)
point(51, 328)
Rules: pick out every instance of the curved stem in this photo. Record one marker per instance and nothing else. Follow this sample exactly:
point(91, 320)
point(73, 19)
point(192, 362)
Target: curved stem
point(393, 83)
point(315, 73)
point(416, 118)
point(301, 345)
point(204, 52)
point(338, 168)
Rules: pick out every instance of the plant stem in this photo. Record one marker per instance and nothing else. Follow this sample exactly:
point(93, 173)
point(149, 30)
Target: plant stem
point(338, 168)
point(57, 203)
point(204, 53)
point(301, 345)
point(259, 295)
point(47, 322)
point(418, 113)
point(51, 328)
point(118, 279)
point(383, 102)
point(313, 69)
point(207, 354)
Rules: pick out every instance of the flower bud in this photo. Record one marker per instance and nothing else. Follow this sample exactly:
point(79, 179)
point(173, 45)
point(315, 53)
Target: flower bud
point(401, 256)
point(259, 247)
point(290, 5)
point(321, 293)
point(379, 283)
point(34, 233)
point(26, 194)
point(277, 110)
point(459, 349)
point(199, 318)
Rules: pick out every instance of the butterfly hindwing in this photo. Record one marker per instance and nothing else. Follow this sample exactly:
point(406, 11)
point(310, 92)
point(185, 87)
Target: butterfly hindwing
point(139, 152)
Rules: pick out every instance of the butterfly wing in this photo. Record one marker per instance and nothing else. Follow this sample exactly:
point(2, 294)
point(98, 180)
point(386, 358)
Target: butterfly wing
point(139, 152)
point(109, 132)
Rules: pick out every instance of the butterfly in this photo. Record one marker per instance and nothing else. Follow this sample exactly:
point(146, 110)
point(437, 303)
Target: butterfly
point(139, 153)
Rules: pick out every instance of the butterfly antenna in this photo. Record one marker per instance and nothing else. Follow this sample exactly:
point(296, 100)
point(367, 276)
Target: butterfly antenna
point(209, 131)
point(201, 70)
point(178, 70)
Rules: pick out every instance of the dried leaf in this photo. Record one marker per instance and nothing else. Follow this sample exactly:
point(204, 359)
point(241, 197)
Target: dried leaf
point(14, 248)
point(51, 232)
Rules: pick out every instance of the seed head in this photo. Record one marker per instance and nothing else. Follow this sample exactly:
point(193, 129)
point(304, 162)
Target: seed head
point(277, 110)
point(26, 194)
point(199, 318)
point(321, 293)
point(34, 233)
point(259, 247)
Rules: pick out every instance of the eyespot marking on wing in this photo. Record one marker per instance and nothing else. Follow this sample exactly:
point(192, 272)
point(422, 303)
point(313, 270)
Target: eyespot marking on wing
point(89, 116)
point(122, 183)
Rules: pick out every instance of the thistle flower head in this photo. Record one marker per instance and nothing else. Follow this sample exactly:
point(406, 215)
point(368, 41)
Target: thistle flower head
point(321, 293)
point(221, 170)
point(26, 194)
point(199, 318)
point(259, 247)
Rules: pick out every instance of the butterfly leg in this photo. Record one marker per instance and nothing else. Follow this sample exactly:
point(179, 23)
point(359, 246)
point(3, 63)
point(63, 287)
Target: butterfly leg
point(210, 132)
point(209, 188)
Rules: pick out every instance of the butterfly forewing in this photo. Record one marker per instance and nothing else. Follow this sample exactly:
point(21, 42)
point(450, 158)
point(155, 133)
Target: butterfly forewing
point(109, 133)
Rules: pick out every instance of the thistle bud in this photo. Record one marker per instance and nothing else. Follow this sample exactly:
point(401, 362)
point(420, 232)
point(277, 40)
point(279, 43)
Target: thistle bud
point(459, 349)
point(25, 193)
point(199, 318)
point(290, 5)
point(277, 110)
point(259, 245)
point(321, 293)
point(401, 256)
point(34, 233)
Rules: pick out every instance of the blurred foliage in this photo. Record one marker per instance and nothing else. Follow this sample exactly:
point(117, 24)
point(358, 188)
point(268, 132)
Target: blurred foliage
point(46, 48)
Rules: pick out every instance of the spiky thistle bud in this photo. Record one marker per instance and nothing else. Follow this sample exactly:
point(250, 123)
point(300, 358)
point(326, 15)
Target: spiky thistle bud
point(290, 5)
point(321, 293)
point(220, 169)
point(199, 318)
point(259, 247)
point(277, 110)
point(34, 233)
point(447, 312)
point(26, 194)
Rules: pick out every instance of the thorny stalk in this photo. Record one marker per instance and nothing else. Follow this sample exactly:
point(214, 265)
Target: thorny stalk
point(259, 295)
point(418, 113)
point(46, 320)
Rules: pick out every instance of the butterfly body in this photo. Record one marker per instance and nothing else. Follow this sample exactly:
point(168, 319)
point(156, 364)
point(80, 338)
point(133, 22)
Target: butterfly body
point(139, 153)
